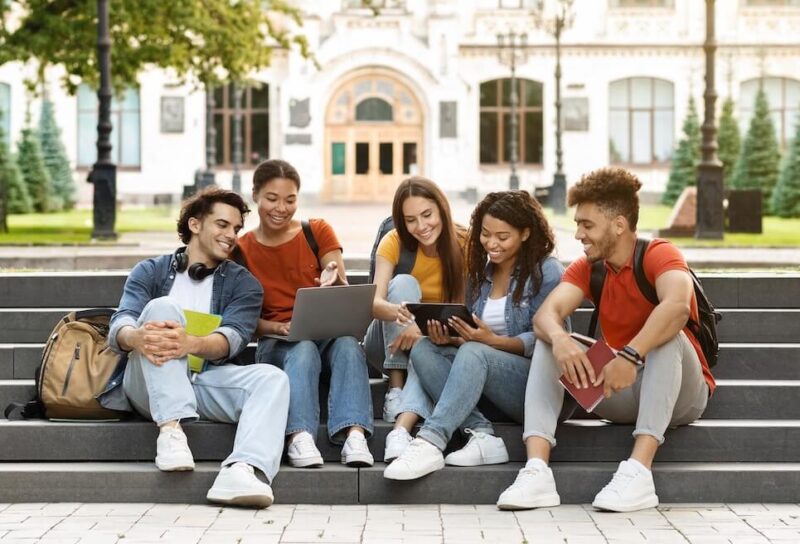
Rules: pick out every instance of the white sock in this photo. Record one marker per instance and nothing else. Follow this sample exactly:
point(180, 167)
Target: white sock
point(640, 467)
point(354, 430)
point(535, 462)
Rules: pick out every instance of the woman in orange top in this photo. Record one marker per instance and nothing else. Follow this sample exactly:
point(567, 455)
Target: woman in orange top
point(278, 255)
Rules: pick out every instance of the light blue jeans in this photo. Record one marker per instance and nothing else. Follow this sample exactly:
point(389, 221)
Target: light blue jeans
point(256, 397)
point(349, 399)
point(455, 378)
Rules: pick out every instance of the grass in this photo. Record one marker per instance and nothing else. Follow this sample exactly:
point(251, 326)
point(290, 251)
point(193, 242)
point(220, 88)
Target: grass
point(75, 227)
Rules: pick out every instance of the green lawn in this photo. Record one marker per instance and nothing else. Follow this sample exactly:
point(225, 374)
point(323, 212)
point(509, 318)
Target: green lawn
point(75, 227)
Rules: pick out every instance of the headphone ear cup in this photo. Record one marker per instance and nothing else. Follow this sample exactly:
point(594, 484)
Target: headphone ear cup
point(199, 271)
point(181, 260)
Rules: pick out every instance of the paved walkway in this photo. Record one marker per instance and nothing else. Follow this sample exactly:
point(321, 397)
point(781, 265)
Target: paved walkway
point(420, 524)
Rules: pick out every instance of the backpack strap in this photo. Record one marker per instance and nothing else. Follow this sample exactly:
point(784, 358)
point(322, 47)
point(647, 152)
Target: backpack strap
point(596, 281)
point(645, 287)
point(406, 262)
point(310, 240)
point(33, 409)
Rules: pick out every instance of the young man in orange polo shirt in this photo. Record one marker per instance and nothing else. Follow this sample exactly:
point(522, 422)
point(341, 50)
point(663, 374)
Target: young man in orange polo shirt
point(661, 378)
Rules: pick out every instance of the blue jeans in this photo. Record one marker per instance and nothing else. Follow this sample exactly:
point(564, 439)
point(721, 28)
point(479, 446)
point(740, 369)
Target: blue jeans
point(456, 379)
point(255, 397)
point(402, 288)
point(349, 399)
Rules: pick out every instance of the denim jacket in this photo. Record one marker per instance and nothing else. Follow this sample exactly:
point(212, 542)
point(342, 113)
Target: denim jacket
point(235, 294)
point(519, 317)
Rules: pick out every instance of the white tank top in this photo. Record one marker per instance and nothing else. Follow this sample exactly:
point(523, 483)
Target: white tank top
point(494, 314)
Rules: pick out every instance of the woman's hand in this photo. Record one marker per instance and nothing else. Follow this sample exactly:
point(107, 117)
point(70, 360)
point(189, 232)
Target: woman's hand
point(406, 339)
point(282, 329)
point(404, 316)
point(482, 333)
point(438, 334)
point(329, 275)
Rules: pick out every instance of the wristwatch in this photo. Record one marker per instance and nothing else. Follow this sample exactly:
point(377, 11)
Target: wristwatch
point(632, 355)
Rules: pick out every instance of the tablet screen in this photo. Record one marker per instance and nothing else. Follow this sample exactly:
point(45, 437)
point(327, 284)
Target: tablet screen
point(440, 312)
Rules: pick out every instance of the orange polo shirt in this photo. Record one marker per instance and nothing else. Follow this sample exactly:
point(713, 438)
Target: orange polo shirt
point(624, 309)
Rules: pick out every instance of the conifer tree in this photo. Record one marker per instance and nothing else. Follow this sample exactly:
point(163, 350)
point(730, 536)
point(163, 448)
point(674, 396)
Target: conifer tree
point(729, 141)
point(786, 197)
point(758, 163)
point(683, 171)
point(13, 194)
point(34, 173)
point(55, 159)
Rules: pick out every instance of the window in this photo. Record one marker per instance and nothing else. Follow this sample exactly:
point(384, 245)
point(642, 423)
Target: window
point(773, 3)
point(5, 111)
point(125, 132)
point(374, 4)
point(642, 3)
point(783, 97)
point(641, 121)
point(515, 4)
point(254, 128)
point(495, 122)
point(374, 109)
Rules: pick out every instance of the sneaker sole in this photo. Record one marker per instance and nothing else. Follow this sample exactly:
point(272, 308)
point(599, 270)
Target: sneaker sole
point(314, 462)
point(650, 502)
point(358, 460)
point(258, 501)
point(497, 460)
point(174, 468)
point(542, 502)
point(414, 477)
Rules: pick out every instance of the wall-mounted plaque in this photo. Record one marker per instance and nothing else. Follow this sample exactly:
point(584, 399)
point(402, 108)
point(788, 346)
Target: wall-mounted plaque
point(299, 115)
point(172, 114)
point(575, 113)
point(448, 127)
point(298, 139)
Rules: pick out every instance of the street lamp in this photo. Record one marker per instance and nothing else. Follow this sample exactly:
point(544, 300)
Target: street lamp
point(554, 18)
point(104, 172)
point(710, 216)
point(206, 177)
point(237, 137)
point(512, 50)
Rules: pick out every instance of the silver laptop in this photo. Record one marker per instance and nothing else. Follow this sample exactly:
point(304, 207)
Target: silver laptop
point(330, 312)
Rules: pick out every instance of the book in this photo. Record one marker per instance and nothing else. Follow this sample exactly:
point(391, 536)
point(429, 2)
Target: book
point(600, 354)
point(200, 324)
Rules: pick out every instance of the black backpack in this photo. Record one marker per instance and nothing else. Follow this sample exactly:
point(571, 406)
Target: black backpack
point(705, 331)
point(407, 258)
point(238, 257)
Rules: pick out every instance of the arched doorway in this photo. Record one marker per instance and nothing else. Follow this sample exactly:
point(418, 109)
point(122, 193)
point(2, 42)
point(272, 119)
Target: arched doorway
point(373, 137)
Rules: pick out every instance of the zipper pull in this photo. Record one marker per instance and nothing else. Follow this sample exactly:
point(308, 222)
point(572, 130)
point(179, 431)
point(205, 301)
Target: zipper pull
point(77, 354)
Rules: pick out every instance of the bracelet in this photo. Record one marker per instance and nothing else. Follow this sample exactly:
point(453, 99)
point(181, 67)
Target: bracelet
point(632, 355)
point(628, 357)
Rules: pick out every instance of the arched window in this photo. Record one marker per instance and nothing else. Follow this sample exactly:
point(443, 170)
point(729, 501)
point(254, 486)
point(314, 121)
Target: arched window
point(374, 109)
point(783, 97)
point(495, 125)
point(254, 128)
point(641, 123)
point(125, 135)
point(5, 111)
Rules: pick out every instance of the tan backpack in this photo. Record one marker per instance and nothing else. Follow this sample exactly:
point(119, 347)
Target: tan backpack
point(77, 364)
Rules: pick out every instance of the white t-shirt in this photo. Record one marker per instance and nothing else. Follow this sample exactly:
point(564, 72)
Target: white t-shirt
point(494, 314)
point(191, 294)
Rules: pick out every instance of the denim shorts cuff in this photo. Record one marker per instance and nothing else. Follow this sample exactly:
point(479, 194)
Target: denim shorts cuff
point(549, 438)
point(335, 435)
point(395, 365)
point(647, 432)
point(429, 435)
point(185, 417)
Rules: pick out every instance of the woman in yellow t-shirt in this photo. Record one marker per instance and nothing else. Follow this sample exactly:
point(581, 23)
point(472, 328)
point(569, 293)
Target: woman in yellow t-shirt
point(423, 225)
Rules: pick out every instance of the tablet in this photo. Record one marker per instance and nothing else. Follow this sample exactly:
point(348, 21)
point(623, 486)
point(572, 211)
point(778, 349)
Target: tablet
point(440, 312)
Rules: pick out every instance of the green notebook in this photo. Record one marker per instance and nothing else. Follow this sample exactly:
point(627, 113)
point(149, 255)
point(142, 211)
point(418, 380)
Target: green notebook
point(200, 324)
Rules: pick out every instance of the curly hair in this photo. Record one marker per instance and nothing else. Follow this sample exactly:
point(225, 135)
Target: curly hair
point(520, 210)
point(447, 245)
point(271, 169)
point(201, 204)
point(613, 190)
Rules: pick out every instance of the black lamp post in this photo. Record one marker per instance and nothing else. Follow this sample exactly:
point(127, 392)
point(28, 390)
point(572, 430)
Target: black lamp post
point(710, 216)
point(511, 50)
point(237, 137)
point(554, 22)
point(104, 171)
point(206, 177)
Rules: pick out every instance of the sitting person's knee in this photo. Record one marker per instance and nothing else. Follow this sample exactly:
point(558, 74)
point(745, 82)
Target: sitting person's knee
point(163, 308)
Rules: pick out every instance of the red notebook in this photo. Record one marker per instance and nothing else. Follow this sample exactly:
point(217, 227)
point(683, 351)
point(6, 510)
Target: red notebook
point(599, 354)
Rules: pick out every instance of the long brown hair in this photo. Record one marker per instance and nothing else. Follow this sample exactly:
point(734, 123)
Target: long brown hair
point(447, 246)
point(520, 210)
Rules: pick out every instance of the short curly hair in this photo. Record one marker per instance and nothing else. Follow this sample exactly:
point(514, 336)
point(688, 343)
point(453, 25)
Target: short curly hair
point(201, 204)
point(613, 190)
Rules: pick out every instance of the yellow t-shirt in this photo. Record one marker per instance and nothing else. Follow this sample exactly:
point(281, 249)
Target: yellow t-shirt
point(427, 270)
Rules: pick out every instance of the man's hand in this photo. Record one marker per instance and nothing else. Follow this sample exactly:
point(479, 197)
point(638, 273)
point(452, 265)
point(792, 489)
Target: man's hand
point(406, 339)
point(166, 340)
point(482, 333)
point(618, 374)
point(329, 275)
point(575, 365)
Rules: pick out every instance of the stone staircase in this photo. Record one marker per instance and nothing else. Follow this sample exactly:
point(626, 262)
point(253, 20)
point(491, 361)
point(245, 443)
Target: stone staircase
point(746, 448)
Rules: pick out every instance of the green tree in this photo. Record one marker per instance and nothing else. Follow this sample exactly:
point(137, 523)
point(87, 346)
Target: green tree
point(758, 164)
point(210, 40)
point(786, 197)
point(34, 173)
point(13, 194)
point(729, 140)
point(55, 159)
point(683, 170)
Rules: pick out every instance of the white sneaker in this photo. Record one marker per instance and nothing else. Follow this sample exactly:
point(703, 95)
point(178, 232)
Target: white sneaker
point(482, 449)
point(302, 452)
point(630, 489)
point(396, 443)
point(355, 452)
point(419, 459)
point(172, 450)
point(391, 404)
point(534, 487)
point(237, 484)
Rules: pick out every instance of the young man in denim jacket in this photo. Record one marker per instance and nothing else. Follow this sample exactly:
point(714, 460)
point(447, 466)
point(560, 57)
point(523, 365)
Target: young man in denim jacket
point(150, 326)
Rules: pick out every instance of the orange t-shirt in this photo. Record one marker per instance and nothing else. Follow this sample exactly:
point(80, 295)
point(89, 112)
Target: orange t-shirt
point(624, 309)
point(285, 268)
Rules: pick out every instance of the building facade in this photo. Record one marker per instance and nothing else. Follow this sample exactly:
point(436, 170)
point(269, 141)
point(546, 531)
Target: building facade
point(418, 87)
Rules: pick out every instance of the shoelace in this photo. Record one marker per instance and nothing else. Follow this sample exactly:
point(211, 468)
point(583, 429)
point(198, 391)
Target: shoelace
point(619, 482)
point(243, 466)
point(304, 445)
point(413, 451)
point(393, 393)
point(357, 440)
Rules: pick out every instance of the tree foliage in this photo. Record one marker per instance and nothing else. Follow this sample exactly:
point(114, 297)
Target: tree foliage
point(758, 164)
point(786, 197)
point(34, 173)
point(683, 170)
point(209, 40)
point(55, 159)
point(729, 140)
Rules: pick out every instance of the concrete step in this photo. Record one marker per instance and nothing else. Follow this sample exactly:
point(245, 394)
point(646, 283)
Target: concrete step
point(749, 326)
point(577, 483)
point(736, 362)
point(579, 441)
point(87, 289)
